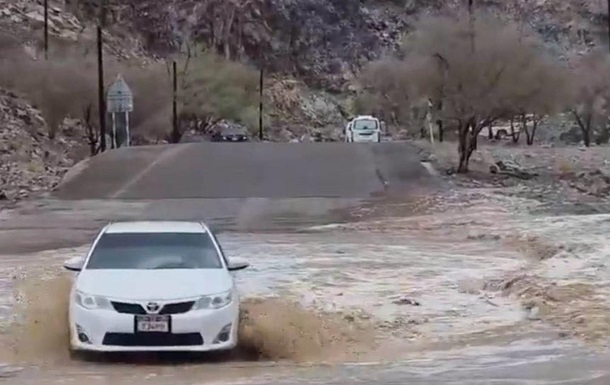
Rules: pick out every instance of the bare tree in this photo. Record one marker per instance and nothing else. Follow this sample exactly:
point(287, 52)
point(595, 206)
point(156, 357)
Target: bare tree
point(91, 131)
point(591, 85)
point(226, 20)
point(515, 134)
point(391, 92)
point(477, 90)
point(548, 91)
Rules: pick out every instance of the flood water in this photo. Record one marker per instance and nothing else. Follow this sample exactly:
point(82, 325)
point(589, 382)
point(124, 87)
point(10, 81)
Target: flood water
point(456, 295)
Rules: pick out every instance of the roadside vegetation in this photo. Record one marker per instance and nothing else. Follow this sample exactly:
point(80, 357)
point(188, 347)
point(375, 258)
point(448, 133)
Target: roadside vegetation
point(210, 88)
point(466, 75)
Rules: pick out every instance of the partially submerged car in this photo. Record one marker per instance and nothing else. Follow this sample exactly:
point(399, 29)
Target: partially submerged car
point(363, 128)
point(154, 286)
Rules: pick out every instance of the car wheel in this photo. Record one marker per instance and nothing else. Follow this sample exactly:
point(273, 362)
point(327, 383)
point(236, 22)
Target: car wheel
point(501, 134)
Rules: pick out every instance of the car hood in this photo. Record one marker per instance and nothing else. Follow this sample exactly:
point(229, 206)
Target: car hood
point(160, 285)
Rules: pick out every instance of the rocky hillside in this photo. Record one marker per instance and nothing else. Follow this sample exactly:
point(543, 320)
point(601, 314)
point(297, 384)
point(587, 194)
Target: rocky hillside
point(311, 50)
point(324, 42)
point(321, 43)
point(31, 161)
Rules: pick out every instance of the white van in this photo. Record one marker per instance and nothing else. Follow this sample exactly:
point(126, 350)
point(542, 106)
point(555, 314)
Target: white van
point(363, 128)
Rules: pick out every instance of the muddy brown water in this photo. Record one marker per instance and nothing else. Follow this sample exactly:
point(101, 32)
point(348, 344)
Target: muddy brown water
point(386, 300)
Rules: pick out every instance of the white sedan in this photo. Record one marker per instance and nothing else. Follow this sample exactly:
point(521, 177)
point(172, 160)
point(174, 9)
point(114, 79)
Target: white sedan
point(154, 286)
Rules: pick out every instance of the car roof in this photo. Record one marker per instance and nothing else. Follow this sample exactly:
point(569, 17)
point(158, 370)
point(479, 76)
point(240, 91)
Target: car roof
point(156, 227)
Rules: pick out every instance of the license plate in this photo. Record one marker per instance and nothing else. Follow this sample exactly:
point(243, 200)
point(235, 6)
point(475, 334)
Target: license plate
point(235, 138)
point(152, 323)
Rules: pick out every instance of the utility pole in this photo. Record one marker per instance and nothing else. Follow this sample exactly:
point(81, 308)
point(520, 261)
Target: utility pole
point(46, 29)
point(175, 130)
point(100, 76)
point(444, 70)
point(608, 24)
point(260, 102)
point(471, 24)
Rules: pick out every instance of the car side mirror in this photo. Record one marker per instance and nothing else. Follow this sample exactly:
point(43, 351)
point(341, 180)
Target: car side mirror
point(237, 264)
point(74, 264)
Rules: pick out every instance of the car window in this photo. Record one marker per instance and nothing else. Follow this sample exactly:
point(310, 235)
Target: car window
point(366, 124)
point(153, 251)
point(222, 252)
point(233, 131)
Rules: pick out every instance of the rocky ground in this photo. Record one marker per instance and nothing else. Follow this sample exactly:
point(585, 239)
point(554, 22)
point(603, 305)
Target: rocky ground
point(565, 178)
point(30, 161)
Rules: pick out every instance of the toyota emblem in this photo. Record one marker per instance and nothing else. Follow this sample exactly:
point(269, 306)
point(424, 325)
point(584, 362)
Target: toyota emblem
point(152, 307)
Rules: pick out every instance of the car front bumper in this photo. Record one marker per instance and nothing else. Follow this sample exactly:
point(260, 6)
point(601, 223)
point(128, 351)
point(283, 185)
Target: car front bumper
point(195, 331)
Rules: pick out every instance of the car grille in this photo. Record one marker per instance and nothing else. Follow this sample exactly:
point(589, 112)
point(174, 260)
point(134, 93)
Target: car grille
point(128, 308)
point(177, 307)
point(170, 308)
point(152, 339)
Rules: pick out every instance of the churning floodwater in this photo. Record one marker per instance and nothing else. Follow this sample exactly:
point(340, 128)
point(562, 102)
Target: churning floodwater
point(458, 296)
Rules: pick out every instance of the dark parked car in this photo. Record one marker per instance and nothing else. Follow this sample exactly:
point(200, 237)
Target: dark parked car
point(230, 134)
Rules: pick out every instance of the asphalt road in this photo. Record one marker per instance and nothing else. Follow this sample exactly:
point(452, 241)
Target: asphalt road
point(248, 170)
point(232, 186)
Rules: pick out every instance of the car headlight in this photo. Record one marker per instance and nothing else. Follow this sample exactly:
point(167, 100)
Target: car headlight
point(214, 301)
point(91, 301)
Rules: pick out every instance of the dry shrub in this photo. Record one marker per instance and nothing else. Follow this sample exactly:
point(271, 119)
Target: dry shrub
point(284, 94)
point(565, 167)
point(213, 88)
point(472, 82)
point(66, 86)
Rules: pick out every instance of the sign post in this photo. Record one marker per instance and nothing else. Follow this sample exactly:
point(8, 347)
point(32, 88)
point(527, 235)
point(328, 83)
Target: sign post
point(429, 121)
point(119, 100)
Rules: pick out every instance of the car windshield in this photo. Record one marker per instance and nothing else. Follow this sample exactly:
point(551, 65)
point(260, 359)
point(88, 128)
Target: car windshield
point(233, 131)
point(154, 251)
point(366, 124)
